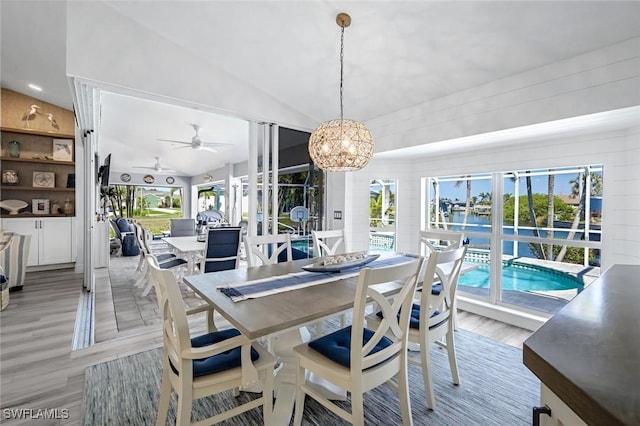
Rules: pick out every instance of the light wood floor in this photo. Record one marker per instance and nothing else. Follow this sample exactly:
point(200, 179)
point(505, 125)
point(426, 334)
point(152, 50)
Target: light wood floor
point(38, 369)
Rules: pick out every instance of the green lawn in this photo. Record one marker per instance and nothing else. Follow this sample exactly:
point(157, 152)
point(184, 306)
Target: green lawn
point(157, 220)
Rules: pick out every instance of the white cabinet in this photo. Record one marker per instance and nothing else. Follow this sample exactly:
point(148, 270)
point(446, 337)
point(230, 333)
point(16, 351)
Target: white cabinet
point(52, 238)
point(561, 414)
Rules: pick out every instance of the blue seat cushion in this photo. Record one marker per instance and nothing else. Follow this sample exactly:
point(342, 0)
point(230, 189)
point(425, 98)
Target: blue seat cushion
point(165, 256)
point(436, 289)
point(172, 263)
point(337, 345)
point(414, 320)
point(223, 361)
point(123, 225)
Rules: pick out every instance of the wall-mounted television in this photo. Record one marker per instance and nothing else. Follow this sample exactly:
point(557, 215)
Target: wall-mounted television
point(103, 173)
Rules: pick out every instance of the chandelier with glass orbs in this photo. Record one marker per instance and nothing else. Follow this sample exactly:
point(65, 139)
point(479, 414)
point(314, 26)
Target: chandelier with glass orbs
point(341, 145)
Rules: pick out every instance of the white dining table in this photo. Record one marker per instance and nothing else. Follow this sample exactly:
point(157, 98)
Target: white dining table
point(189, 246)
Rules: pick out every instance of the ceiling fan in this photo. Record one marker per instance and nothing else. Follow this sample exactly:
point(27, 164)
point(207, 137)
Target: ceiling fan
point(197, 142)
point(156, 167)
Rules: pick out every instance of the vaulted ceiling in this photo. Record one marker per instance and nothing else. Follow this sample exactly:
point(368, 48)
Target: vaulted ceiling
point(285, 54)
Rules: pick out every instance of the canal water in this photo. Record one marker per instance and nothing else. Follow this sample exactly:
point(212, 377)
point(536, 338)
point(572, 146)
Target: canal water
point(476, 223)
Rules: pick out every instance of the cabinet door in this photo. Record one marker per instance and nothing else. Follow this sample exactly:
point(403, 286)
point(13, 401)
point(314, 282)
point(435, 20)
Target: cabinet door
point(25, 227)
point(561, 414)
point(55, 240)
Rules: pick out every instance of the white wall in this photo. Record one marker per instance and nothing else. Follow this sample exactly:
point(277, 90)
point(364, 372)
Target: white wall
point(597, 81)
point(356, 195)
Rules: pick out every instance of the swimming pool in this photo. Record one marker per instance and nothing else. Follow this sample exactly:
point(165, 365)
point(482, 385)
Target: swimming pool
point(522, 277)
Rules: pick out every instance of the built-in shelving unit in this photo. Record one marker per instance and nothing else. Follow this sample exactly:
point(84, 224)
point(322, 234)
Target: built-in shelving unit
point(35, 147)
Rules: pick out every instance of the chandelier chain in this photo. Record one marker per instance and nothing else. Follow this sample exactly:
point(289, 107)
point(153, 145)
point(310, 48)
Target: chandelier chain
point(341, 70)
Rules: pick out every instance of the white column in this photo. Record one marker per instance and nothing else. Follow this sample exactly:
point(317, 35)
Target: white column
point(254, 128)
point(274, 176)
point(264, 132)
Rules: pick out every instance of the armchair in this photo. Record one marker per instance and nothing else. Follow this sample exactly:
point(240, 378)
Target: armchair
point(13, 259)
point(126, 235)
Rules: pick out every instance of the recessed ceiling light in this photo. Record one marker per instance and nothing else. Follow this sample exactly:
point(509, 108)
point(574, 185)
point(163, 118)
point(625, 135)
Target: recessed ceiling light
point(35, 87)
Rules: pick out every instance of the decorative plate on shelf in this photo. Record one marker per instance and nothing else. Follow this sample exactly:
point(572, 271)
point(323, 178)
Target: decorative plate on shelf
point(170, 180)
point(148, 179)
point(125, 177)
point(342, 263)
point(44, 180)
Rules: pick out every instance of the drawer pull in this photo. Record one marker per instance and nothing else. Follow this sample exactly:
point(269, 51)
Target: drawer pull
point(537, 411)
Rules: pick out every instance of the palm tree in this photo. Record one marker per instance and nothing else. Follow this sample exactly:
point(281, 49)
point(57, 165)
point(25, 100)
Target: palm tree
point(467, 205)
point(171, 191)
point(578, 190)
point(532, 213)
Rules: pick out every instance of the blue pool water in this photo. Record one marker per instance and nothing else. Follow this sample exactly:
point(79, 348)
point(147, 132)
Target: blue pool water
point(302, 245)
point(523, 278)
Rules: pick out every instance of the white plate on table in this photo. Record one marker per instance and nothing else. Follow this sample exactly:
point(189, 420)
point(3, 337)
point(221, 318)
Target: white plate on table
point(337, 267)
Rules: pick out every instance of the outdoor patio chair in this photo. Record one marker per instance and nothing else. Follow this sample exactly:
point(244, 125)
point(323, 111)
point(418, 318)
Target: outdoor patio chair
point(183, 227)
point(359, 359)
point(208, 364)
point(126, 236)
point(222, 249)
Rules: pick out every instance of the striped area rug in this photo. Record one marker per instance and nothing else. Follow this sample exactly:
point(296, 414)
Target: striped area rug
point(496, 389)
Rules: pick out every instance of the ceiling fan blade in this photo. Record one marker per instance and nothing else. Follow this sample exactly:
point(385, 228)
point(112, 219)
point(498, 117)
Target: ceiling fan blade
point(216, 143)
point(142, 167)
point(206, 148)
point(184, 147)
point(174, 141)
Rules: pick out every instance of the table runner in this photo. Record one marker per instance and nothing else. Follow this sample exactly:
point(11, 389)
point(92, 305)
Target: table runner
point(273, 285)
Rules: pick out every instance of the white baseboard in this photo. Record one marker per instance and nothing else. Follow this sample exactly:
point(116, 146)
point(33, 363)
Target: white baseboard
point(504, 314)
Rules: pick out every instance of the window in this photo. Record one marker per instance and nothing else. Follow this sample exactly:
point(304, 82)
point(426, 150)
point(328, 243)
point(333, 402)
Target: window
point(533, 235)
point(382, 214)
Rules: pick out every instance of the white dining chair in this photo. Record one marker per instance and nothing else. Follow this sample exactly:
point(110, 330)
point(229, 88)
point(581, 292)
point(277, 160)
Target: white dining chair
point(432, 240)
point(266, 249)
point(143, 237)
point(206, 365)
point(438, 240)
point(167, 261)
point(431, 320)
point(328, 242)
point(357, 358)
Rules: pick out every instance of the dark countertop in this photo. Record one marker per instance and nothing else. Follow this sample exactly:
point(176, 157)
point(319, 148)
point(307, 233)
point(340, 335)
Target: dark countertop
point(588, 353)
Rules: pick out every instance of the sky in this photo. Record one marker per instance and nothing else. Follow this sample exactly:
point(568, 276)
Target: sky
point(539, 185)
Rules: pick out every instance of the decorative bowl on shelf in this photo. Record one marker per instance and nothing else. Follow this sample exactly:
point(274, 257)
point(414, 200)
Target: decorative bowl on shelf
point(10, 177)
point(13, 206)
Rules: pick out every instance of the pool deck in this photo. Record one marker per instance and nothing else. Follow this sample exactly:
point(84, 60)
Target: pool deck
point(545, 301)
